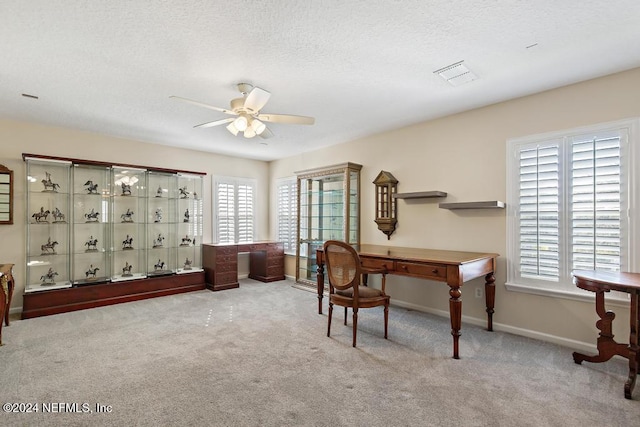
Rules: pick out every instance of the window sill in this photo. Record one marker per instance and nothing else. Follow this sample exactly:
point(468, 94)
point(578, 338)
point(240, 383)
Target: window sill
point(613, 298)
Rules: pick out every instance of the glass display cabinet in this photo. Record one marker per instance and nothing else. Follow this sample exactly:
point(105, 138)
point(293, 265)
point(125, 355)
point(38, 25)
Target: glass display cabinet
point(189, 223)
point(328, 208)
point(48, 231)
point(90, 233)
point(128, 225)
point(101, 234)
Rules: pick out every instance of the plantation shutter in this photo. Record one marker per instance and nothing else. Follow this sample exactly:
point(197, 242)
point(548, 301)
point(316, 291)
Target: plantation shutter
point(245, 212)
point(539, 212)
point(287, 214)
point(595, 202)
point(225, 195)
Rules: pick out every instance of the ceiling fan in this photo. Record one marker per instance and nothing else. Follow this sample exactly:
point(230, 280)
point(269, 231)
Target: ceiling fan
point(248, 118)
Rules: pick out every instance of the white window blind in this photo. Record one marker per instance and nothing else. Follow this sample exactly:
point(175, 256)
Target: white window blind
point(234, 208)
point(569, 201)
point(287, 213)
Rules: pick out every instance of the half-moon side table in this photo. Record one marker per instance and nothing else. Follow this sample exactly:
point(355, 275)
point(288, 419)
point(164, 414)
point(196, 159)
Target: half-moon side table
point(605, 281)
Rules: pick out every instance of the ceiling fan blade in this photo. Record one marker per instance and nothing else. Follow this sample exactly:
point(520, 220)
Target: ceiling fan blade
point(287, 119)
point(256, 99)
point(215, 123)
point(200, 104)
point(266, 133)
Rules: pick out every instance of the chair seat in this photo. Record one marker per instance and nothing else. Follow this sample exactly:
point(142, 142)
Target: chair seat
point(363, 292)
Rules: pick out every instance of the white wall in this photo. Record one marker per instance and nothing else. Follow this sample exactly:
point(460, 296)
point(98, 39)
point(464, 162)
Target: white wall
point(464, 155)
point(19, 137)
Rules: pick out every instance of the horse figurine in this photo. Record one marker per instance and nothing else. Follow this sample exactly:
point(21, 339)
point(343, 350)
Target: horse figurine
point(91, 272)
point(126, 189)
point(127, 243)
point(57, 215)
point(184, 194)
point(91, 244)
point(41, 216)
point(92, 216)
point(159, 265)
point(127, 216)
point(187, 264)
point(49, 248)
point(49, 277)
point(126, 270)
point(185, 241)
point(91, 187)
point(158, 242)
point(48, 184)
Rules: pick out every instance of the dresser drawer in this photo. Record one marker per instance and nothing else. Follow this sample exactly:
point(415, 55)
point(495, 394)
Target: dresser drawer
point(377, 263)
point(422, 270)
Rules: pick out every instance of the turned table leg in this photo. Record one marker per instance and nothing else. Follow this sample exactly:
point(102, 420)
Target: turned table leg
point(320, 278)
point(455, 312)
point(490, 297)
point(634, 347)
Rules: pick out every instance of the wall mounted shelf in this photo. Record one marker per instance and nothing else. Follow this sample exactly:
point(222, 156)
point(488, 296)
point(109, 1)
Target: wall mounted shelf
point(420, 195)
point(493, 204)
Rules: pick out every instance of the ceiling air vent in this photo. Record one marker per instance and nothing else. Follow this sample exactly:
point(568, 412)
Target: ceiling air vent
point(456, 74)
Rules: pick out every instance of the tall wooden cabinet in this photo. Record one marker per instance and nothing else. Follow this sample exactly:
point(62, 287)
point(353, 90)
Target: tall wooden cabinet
point(98, 233)
point(328, 208)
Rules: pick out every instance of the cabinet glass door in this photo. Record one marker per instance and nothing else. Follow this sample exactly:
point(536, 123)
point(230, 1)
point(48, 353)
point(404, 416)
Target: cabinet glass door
point(189, 223)
point(161, 220)
point(91, 216)
point(48, 237)
point(128, 225)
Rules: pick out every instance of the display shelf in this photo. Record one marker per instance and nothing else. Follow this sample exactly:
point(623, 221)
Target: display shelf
point(492, 204)
point(420, 195)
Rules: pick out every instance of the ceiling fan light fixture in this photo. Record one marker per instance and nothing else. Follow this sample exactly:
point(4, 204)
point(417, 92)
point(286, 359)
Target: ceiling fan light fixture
point(249, 132)
point(241, 123)
point(231, 128)
point(258, 126)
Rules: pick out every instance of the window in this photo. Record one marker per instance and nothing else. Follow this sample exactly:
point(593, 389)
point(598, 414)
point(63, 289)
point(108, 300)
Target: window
point(570, 201)
point(234, 207)
point(287, 213)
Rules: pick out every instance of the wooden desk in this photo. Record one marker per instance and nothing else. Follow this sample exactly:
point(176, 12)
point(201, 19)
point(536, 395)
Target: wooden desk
point(601, 282)
point(452, 267)
point(220, 262)
point(6, 293)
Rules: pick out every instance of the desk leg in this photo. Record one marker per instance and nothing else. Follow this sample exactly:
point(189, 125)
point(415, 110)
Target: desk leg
point(490, 296)
point(320, 278)
point(607, 347)
point(634, 348)
point(455, 312)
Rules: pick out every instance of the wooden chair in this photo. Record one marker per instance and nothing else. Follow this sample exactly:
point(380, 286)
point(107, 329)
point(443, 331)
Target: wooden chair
point(345, 287)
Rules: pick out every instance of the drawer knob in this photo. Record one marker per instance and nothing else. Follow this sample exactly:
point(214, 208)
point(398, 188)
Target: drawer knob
point(404, 267)
point(434, 271)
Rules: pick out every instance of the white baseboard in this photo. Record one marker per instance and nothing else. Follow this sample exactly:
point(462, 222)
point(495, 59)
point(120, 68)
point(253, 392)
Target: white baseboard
point(566, 342)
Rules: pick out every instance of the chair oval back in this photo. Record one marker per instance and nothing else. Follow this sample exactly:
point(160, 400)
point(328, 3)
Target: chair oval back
point(343, 265)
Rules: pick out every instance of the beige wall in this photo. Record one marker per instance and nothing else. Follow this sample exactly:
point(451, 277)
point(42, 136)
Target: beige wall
point(19, 137)
point(464, 155)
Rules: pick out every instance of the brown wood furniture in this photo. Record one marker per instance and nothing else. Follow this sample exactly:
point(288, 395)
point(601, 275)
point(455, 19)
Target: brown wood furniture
point(345, 287)
point(452, 267)
point(605, 281)
point(56, 301)
point(6, 195)
point(6, 293)
point(220, 262)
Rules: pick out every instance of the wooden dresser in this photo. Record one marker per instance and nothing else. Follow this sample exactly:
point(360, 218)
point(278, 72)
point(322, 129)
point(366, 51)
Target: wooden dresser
point(220, 262)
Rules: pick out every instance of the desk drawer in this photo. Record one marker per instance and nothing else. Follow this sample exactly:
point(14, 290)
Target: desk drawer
point(377, 263)
point(422, 270)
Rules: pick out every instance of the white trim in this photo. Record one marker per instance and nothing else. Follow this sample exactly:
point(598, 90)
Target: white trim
point(619, 300)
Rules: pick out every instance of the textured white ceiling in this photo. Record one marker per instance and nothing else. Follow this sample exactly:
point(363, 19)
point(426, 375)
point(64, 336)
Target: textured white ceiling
point(358, 66)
